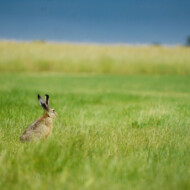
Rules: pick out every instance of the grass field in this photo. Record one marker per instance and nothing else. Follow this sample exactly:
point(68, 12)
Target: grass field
point(95, 59)
point(112, 132)
point(123, 117)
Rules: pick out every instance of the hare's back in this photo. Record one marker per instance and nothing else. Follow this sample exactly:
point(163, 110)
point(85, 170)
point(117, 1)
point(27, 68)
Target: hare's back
point(35, 131)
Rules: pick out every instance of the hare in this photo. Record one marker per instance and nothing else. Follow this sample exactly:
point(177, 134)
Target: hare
point(42, 127)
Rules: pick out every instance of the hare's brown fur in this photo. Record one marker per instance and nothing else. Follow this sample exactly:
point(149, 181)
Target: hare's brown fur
point(39, 129)
point(42, 127)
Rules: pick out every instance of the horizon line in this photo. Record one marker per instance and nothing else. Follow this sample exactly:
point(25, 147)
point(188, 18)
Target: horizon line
point(91, 42)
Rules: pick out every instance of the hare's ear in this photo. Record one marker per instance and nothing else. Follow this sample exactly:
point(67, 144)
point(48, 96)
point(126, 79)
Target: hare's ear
point(42, 102)
point(47, 99)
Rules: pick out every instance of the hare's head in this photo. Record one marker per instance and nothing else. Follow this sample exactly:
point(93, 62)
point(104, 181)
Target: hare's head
point(45, 105)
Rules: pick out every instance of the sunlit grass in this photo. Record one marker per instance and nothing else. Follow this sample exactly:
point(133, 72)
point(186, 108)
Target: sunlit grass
point(112, 132)
point(99, 59)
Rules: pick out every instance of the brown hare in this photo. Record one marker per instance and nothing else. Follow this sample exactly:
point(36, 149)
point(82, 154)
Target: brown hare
point(42, 127)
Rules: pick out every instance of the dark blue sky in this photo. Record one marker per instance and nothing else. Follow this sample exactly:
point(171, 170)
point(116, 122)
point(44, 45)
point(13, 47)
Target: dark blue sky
point(106, 21)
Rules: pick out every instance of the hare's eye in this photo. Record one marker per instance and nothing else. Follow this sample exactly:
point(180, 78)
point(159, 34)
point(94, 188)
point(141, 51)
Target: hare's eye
point(53, 110)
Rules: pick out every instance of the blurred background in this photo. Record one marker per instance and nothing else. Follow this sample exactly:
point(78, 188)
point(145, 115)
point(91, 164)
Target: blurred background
point(112, 37)
point(96, 21)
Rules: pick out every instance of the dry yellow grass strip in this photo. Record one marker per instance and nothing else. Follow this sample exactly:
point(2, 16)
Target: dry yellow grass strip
point(98, 59)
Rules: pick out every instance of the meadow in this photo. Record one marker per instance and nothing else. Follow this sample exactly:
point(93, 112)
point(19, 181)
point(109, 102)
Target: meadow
point(93, 59)
point(118, 126)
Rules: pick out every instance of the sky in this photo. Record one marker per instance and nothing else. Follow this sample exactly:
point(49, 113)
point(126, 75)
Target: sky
point(96, 21)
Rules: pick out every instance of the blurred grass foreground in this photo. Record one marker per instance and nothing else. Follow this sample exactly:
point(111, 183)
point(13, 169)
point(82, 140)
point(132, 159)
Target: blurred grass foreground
point(96, 59)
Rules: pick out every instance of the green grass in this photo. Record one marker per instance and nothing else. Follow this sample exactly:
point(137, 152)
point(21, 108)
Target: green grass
point(112, 132)
point(95, 59)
